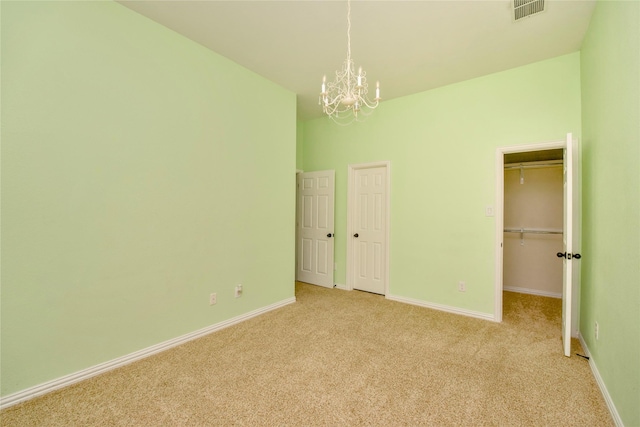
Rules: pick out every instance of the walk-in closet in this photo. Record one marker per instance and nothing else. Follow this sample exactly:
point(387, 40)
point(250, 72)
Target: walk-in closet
point(533, 222)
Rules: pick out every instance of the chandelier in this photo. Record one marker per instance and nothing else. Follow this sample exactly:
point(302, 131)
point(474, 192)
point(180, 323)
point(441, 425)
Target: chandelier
point(347, 96)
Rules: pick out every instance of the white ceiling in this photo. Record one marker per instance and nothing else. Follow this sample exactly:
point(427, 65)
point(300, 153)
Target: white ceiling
point(409, 46)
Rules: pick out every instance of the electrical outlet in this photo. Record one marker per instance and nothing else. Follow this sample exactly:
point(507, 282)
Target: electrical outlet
point(597, 331)
point(213, 298)
point(238, 291)
point(462, 287)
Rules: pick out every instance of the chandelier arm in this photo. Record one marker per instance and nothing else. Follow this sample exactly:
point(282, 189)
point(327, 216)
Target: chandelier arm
point(369, 103)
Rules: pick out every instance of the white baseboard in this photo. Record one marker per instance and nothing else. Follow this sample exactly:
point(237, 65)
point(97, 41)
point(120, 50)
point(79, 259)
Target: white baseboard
point(532, 292)
point(340, 286)
point(67, 380)
point(603, 388)
point(440, 307)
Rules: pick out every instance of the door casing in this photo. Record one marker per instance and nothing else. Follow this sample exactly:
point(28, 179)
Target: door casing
point(499, 224)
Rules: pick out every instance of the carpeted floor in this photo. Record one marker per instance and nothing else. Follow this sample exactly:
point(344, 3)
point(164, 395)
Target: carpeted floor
point(340, 358)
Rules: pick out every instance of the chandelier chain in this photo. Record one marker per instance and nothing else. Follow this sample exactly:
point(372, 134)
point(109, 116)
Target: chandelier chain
point(348, 30)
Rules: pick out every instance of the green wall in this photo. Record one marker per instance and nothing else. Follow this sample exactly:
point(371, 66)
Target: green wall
point(442, 145)
point(299, 144)
point(136, 180)
point(610, 64)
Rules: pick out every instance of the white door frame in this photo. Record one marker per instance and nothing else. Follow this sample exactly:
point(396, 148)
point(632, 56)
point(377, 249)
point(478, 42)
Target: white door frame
point(295, 272)
point(351, 212)
point(499, 220)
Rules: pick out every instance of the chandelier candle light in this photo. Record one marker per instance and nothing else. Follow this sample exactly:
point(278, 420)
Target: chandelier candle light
point(347, 96)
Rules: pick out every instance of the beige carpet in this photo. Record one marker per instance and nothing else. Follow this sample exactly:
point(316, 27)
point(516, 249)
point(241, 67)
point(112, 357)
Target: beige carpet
point(341, 358)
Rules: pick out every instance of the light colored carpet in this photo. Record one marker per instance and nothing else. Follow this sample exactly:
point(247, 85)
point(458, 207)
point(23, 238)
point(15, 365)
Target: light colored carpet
point(340, 358)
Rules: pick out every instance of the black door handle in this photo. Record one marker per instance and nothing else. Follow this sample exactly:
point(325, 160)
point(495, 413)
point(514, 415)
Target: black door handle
point(355, 235)
point(568, 256)
point(329, 235)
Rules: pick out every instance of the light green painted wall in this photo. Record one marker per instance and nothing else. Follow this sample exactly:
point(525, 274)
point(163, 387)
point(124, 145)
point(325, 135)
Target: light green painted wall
point(299, 145)
point(611, 192)
point(442, 146)
point(136, 180)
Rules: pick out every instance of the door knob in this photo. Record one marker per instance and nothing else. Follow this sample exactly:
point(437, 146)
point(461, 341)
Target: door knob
point(355, 235)
point(329, 235)
point(568, 256)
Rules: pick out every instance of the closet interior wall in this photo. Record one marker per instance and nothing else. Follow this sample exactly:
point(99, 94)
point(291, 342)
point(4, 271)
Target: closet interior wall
point(533, 203)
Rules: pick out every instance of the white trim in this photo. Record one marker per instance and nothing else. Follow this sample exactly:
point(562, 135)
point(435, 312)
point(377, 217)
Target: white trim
point(533, 292)
point(499, 235)
point(440, 307)
point(603, 388)
point(67, 380)
point(341, 286)
point(499, 211)
point(351, 176)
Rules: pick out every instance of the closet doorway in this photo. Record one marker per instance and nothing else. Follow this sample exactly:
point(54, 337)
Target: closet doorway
point(533, 222)
point(537, 221)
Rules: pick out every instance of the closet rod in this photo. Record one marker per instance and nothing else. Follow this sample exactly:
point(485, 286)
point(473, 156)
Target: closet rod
point(523, 230)
point(533, 166)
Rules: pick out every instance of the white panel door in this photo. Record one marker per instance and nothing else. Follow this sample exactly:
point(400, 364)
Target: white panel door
point(570, 239)
point(315, 227)
point(369, 230)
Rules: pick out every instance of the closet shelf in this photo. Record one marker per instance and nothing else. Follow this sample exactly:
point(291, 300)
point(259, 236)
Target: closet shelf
point(531, 231)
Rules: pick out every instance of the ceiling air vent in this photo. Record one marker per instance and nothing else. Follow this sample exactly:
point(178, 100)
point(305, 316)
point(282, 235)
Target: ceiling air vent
point(525, 8)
